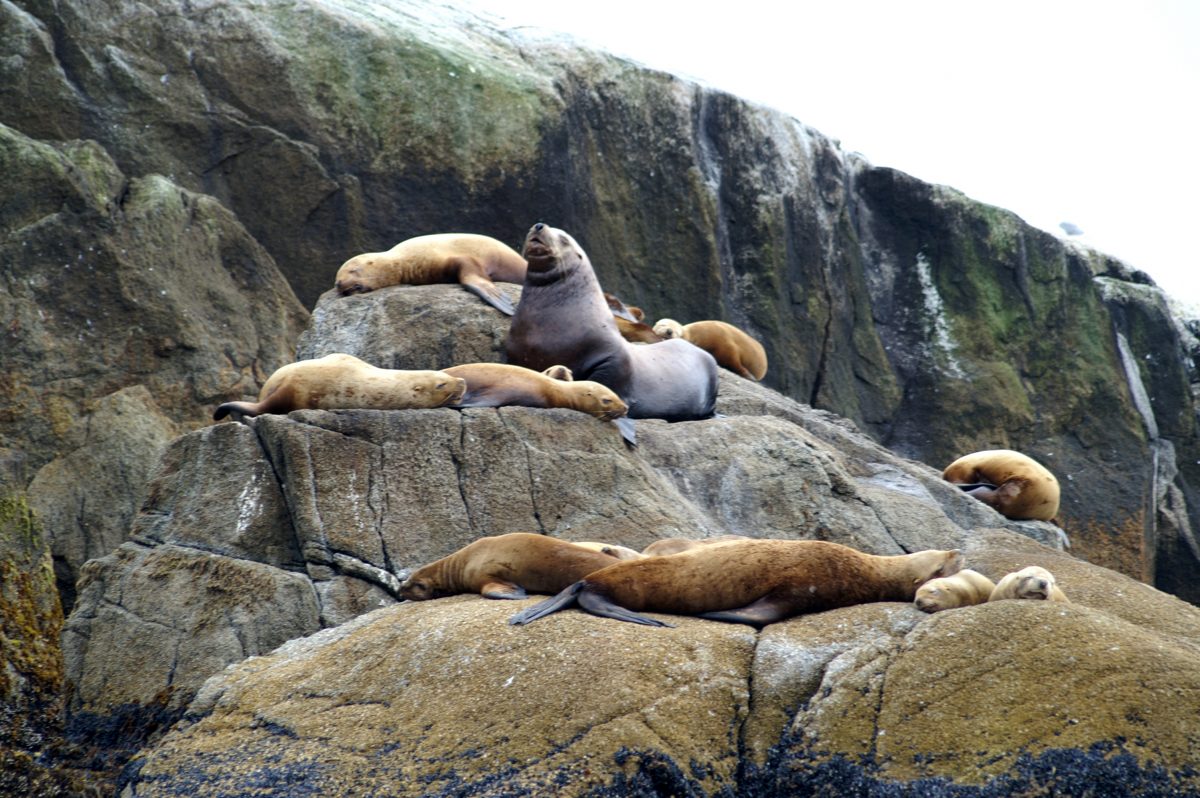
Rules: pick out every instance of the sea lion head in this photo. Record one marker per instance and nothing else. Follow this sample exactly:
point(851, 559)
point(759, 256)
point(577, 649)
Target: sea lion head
point(931, 597)
point(440, 388)
point(669, 328)
point(932, 563)
point(418, 588)
point(546, 247)
point(560, 373)
point(1034, 582)
point(358, 275)
point(598, 400)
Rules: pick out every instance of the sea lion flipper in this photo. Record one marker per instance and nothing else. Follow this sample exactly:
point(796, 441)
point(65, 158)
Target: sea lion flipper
point(598, 605)
point(565, 598)
point(238, 410)
point(757, 613)
point(498, 589)
point(486, 290)
point(628, 431)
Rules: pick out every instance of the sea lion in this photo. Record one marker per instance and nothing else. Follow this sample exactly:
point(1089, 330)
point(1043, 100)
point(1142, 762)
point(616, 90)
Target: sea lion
point(748, 581)
point(473, 260)
point(1033, 582)
point(500, 385)
point(661, 548)
point(563, 318)
point(505, 567)
point(341, 381)
point(963, 589)
point(611, 549)
point(1024, 489)
point(732, 346)
point(630, 322)
point(559, 373)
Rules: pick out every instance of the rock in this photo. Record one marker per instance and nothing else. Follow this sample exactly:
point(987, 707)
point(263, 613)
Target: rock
point(88, 497)
point(443, 697)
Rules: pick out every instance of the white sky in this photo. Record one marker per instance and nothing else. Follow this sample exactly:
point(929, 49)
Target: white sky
point(1083, 112)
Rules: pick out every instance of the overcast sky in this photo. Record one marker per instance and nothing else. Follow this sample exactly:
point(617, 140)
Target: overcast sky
point(1080, 112)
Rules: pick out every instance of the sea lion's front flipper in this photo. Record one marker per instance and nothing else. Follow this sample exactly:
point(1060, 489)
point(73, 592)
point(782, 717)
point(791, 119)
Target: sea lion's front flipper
point(499, 589)
point(757, 613)
point(486, 290)
point(598, 605)
point(564, 599)
point(628, 432)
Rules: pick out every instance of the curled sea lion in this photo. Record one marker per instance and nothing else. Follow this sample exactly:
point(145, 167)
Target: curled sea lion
point(475, 261)
point(563, 318)
point(1033, 582)
point(500, 385)
point(731, 346)
point(963, 589)
point(505, 567)
point(660, 548)
point(1013, 484)
point(341, 381)
point(611, 549)
point(748, 581)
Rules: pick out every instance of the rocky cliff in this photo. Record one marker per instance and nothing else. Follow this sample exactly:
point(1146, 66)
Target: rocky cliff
point(185, 172)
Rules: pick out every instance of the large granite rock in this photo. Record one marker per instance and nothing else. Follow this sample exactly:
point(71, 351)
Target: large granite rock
point(444, 698)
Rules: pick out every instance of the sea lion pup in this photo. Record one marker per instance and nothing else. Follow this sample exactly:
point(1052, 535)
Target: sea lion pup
point(340, 381)
point(964, 589)
point(505, 567)
point(630, 322)
point(1033, 582)
point(475, 261)
point(611, 549)
point(1024, 489)
point(500, 385)
point(559, 373)
point(563, 318)
point(731, 346)
point(660, 548)
point(748, 581)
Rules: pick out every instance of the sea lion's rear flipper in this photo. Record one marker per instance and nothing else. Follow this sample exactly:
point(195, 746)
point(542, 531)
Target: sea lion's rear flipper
point(628, 432)
point(485, 289)
point(970, 486)
point(598, 605)
point(238, 410)
point(565, 598)
point(499, 589)
point(757, 613)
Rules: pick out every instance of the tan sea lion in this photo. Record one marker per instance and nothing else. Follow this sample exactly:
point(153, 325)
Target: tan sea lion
point(559, 373)
point(963, 589)
point(563, 318)
point(500, 385)
point(1014, 484)
point(731, 346)
point(661, 548)
point(611, 549)
point(748, 581)
point(341, 381)
point(505, 567)
point(1033, 582)
point(630, 322)
point(475, 261)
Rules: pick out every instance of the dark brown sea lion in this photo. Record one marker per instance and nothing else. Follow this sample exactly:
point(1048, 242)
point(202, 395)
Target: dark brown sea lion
point(563, 318)
point(749, 581)
point(340, 381)
point(732, 346)
point(501, 385)
point(505, 567)
point(1014, 484)
point(475, 261)
point(1033, 582)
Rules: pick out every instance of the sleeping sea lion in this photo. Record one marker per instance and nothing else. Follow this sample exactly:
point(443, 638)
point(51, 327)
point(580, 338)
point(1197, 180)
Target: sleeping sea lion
point(963, 589)
point(340, 381)
point(505, 567)
point(660, 548)
point(749, 581)
point(731, 346)
point(1023, 488)
point(500, 385)
point(475, 261)
point(1033, 582)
